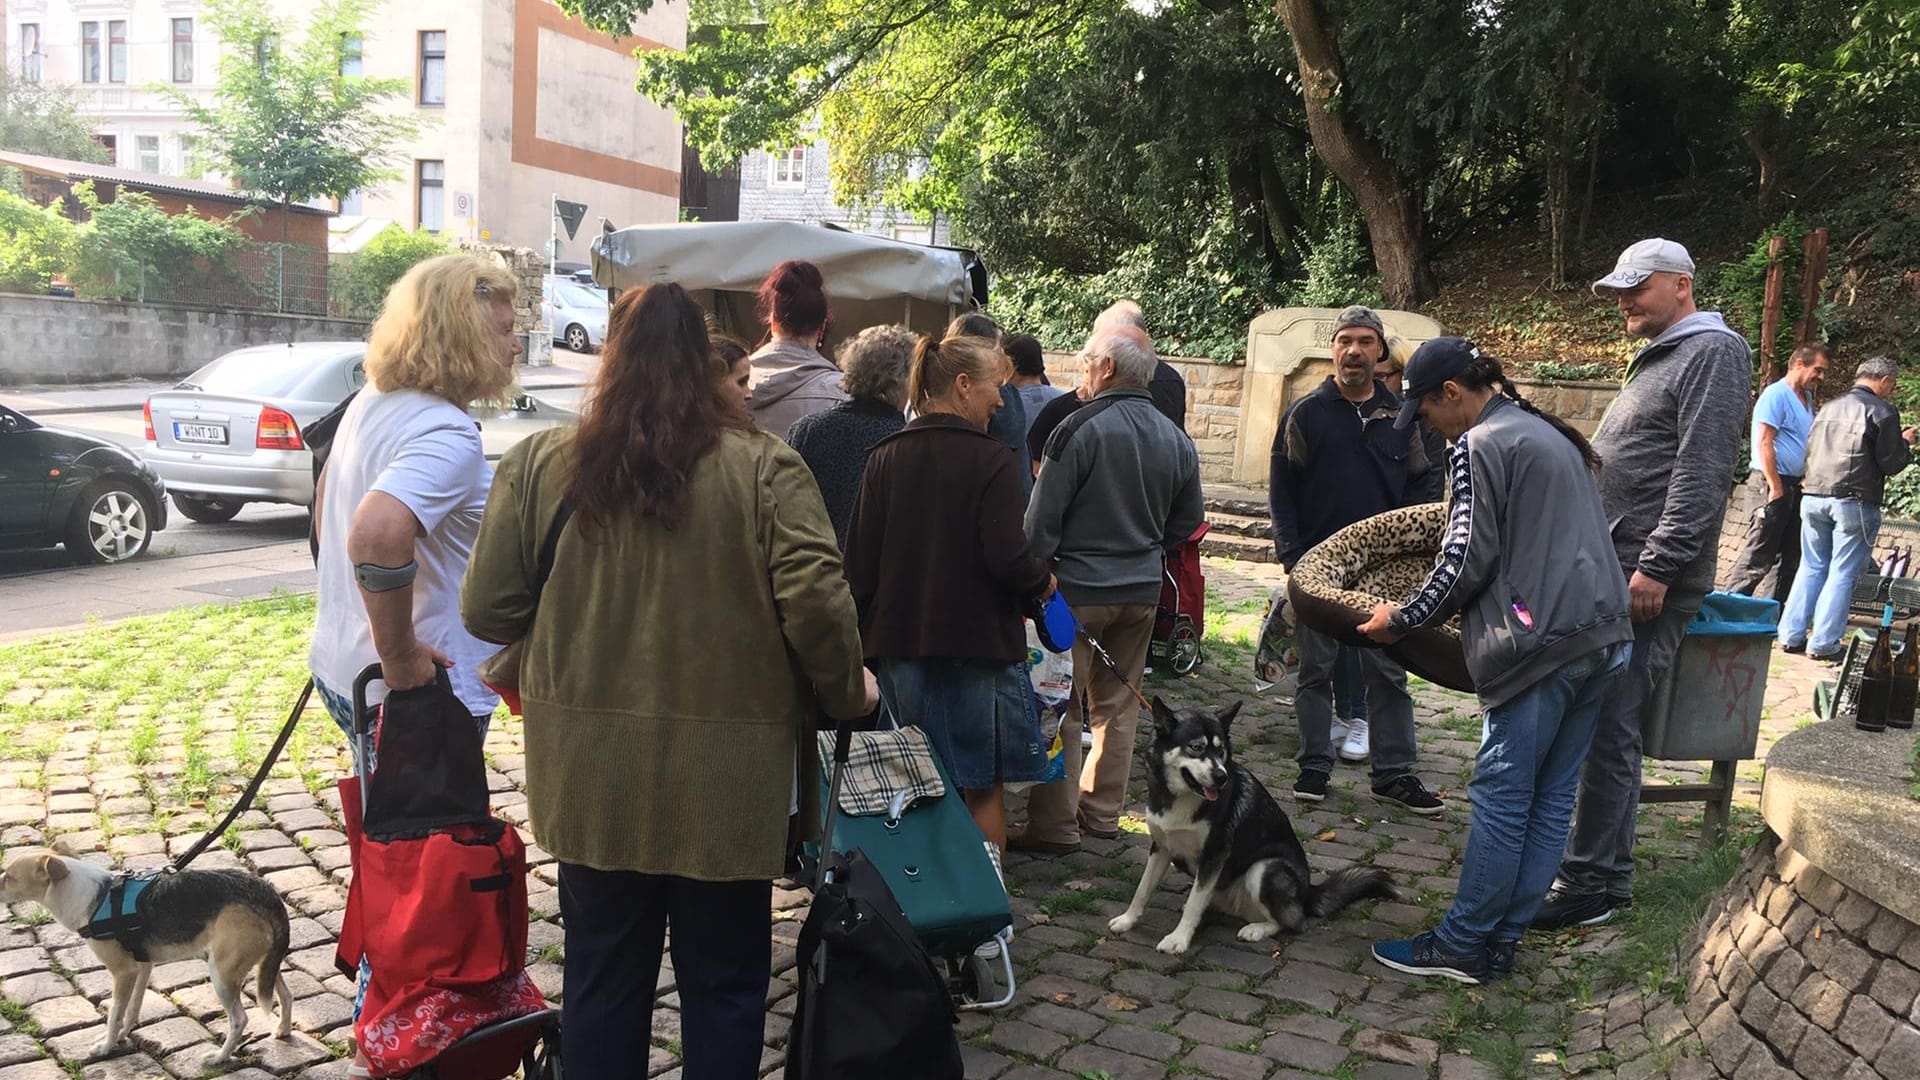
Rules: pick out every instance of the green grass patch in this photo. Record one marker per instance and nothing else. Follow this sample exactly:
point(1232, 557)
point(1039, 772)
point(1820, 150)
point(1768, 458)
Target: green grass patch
point(1669, 898)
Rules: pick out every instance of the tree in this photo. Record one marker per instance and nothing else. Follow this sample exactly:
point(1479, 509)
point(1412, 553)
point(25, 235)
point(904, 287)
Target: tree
point(37, 118)
point(1388, 202)
point(385, 259)
point(284, 123)
point(130, 246)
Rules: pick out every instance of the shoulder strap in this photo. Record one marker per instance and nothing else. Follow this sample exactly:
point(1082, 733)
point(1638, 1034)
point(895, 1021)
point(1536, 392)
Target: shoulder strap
point(1057, 442)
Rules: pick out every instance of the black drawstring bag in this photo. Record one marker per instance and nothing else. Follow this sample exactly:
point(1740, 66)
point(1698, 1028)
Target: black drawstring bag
point(429, 772)
point(873, 1005)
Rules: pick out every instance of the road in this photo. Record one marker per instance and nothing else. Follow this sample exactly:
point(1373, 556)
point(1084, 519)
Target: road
point(113, 412)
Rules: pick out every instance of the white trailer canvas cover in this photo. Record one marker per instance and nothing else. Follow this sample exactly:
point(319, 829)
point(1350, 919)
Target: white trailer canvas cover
point(870, 280)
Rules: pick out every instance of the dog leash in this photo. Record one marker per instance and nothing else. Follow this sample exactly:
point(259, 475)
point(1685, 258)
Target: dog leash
point(1100, 651)
point(253, 786)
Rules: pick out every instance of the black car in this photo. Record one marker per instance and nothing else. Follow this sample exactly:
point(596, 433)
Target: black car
point(60, 487)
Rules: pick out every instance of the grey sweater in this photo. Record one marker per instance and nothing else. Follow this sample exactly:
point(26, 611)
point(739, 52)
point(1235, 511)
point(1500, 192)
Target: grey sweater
point(1118, 485)
point(1525, 561)
point(1668, 446)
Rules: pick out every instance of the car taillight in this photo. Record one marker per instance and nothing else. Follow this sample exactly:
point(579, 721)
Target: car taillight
point(277, 431)
point(146, 413)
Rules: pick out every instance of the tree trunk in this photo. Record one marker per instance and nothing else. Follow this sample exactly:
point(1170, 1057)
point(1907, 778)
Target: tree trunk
point(1392, 214)
point(1769, 165)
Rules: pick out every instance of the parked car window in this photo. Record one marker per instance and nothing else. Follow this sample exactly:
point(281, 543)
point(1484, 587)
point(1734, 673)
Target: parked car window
point(269, 372)
point(576, 296)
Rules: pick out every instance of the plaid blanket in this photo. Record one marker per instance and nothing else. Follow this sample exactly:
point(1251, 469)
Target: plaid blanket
point(881, 765)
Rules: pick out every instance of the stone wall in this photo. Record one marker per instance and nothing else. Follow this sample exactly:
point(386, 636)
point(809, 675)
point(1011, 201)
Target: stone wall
point(1793, 973)
point(51, 339)
point(1580, 404)
point(1739, 518)
point(1213, 406)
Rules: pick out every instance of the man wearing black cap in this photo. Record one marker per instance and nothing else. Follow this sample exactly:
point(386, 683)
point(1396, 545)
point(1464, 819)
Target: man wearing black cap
point(1337, 459)
point(1527, 563)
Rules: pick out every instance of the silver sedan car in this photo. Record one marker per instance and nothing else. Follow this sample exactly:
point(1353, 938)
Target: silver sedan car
point(230, 433)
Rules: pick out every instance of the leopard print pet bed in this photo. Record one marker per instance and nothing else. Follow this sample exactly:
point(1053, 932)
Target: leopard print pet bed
point(1383, 559)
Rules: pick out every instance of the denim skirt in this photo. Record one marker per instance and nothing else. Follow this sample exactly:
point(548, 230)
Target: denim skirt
point(979, 714)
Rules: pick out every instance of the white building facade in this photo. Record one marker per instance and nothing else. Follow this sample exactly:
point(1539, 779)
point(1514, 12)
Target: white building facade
point(519, 104)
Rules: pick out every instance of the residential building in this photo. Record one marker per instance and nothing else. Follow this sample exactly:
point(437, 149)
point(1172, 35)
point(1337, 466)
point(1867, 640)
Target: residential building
point(792, 184)
point(520, 104)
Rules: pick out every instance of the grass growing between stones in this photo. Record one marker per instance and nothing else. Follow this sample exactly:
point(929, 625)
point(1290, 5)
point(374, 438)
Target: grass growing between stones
point(1668, 899)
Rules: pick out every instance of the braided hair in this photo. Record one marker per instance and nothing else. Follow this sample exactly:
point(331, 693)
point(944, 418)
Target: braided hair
point(1484, 372)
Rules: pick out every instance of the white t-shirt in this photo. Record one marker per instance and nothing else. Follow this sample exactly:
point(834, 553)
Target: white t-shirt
point(425, 452)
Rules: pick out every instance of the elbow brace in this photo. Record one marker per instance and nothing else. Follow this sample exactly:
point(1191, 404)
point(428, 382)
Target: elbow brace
point(377, 579)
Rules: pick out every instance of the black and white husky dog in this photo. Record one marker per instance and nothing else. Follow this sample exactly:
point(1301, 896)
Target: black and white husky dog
point(1212, 819)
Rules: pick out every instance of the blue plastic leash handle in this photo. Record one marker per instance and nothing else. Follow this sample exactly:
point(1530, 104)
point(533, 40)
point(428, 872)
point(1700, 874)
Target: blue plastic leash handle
point(1056, 624)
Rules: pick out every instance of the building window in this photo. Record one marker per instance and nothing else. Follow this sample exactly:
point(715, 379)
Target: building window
point(183, 50)
point(111, 144)
point(431, 196)
point(433, 67)
point(914, 234)
point(90, 52)
point(789, 167)
point(148, 147)
point(117, 51)
point(352, 52)
point(30, 52)
point(264, 47)
point(354, 204)
point(185, 144)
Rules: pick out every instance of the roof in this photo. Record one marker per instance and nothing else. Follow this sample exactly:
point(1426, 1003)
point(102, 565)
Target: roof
point(133, 178)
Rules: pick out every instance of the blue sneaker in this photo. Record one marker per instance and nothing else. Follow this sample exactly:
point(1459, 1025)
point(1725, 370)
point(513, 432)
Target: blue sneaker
point(1424, 955)
point(1500, 959)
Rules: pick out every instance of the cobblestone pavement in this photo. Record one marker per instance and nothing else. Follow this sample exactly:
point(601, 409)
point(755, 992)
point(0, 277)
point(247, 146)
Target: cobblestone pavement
point(90, 753)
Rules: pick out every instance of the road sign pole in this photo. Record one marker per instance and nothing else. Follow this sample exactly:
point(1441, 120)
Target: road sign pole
point(553, 235)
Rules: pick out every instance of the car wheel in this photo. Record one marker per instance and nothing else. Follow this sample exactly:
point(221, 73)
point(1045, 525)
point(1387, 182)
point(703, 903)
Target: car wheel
point(577, 338)
point(112, 522)
point(207, 511)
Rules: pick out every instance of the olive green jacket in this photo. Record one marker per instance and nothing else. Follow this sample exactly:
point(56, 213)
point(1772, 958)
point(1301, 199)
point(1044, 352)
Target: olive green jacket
point(671, 676)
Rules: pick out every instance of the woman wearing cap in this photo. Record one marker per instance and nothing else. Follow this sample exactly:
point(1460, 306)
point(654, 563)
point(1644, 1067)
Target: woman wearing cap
point(942, 573)
point(1527, 563)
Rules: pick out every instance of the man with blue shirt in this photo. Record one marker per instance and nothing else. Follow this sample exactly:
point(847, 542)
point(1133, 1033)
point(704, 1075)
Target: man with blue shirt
point(1781, 420)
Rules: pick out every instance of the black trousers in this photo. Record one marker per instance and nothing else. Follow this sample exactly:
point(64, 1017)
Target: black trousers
point(722, 952)
point(1773, 536)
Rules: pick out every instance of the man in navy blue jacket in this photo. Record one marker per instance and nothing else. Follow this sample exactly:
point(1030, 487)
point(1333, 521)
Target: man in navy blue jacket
point(1337, 459)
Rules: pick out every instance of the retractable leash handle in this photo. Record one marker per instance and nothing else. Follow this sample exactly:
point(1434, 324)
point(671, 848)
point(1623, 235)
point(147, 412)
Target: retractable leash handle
point(842, 746)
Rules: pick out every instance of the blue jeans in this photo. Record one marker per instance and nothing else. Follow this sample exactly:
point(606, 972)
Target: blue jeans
point(1349, 686)
point(1522, 797)
point(1836, 544)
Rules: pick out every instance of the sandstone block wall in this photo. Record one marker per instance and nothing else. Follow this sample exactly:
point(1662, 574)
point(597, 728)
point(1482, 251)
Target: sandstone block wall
point(1793, 973)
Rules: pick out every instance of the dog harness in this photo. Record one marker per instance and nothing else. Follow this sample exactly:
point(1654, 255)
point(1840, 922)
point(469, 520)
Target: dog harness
point(120, 916)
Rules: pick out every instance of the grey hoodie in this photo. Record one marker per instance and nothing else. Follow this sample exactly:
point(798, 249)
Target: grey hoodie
point(1525, 559)
point(789, 381)
point(1668, 446)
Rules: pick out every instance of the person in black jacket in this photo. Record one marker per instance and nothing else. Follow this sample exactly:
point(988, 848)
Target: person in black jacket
point(1338, 459)
point(836, 441)
point(1167, 388)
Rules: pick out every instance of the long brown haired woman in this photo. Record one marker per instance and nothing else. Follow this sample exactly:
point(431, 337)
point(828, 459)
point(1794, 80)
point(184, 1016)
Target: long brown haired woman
point(695, 615)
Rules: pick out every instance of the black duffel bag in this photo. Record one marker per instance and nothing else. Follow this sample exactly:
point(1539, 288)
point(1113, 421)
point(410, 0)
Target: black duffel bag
point(873, 1004)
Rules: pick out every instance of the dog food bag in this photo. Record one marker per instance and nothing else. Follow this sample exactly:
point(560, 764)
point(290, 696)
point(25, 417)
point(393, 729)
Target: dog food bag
point(1275, 659)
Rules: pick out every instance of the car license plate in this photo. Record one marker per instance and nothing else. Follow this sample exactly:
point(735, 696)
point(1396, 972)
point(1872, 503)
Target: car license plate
point(200, 433)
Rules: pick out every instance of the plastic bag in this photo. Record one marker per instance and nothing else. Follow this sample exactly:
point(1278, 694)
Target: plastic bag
point(1275, 660)
point(1052, 677)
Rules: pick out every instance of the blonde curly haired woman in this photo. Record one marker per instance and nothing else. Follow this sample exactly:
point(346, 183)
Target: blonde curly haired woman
point(398, 505)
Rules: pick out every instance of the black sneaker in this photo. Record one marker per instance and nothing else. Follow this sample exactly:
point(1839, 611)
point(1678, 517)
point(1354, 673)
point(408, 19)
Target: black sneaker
point(1827, 657)
point(1407, 792)
point(1500, 959)
point(1794, 650)
point(1424, 955)
point(1562, 909)
point(1312, 785)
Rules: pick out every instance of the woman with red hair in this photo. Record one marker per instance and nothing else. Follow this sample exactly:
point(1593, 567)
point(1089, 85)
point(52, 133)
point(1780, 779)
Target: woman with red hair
point(791, 379)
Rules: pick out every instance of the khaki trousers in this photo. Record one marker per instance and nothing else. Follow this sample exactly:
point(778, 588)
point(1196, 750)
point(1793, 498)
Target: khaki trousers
point(1056, 812)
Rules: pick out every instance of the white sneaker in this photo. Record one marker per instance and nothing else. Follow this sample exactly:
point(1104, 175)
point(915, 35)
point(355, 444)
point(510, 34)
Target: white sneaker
point(1355, 747)
point(1337, 734)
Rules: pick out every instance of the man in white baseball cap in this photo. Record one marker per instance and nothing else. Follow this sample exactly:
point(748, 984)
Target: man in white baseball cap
point(1669, 443)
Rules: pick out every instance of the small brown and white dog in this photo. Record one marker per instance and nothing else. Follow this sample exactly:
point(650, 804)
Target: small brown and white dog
point(232, 918)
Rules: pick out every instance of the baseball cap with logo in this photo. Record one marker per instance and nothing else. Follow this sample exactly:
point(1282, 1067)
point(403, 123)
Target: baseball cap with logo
point(1433, 363)
point(1645, 259)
